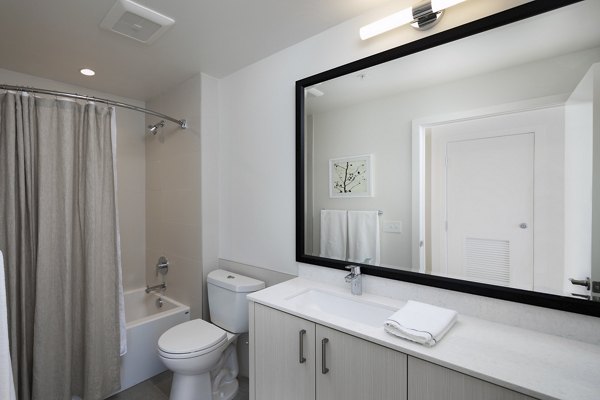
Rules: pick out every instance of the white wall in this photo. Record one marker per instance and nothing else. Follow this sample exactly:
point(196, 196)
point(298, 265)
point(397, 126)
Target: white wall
point(173, 195)
point(209, 155)
point(130, 173)
point(578, 183)
point(257, 134)
point(596, 182)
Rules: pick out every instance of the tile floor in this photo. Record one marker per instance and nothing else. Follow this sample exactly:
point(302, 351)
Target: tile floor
point(158, 387)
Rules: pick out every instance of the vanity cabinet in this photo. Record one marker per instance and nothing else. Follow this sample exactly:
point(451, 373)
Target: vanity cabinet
point(320, 363)
point(427, 381)
point(280, 340)
point(296, 359)
point(355, 369)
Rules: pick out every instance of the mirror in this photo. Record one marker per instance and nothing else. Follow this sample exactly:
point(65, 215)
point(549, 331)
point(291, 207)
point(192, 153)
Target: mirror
point(462, 162)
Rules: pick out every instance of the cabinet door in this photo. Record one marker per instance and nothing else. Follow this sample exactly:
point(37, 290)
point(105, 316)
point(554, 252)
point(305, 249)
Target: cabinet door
point(355, 369)
point(278, 370)
point(427, 381)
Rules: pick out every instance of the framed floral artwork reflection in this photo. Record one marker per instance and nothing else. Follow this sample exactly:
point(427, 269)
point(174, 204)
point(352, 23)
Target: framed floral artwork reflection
point(351, 176)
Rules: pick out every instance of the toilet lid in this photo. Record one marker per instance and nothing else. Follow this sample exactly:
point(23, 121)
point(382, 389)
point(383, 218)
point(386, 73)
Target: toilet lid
point(191, 336)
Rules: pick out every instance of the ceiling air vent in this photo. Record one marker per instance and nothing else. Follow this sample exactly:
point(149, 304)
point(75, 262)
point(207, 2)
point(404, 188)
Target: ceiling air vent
point(136, 21)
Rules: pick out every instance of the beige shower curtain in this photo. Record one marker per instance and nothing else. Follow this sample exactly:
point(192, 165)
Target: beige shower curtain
point(58, 232)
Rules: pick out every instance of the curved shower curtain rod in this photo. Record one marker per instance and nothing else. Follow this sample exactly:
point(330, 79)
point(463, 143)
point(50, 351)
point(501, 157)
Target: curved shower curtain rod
point(181, 122)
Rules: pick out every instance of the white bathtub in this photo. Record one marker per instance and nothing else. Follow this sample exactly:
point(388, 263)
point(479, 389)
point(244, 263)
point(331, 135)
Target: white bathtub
point(145, 323)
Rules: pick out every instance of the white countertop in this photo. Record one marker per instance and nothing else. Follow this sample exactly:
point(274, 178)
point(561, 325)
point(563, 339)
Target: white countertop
point(533, 363)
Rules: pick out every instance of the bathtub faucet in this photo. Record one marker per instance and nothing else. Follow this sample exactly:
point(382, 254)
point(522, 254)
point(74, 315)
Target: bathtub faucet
point(156, 288)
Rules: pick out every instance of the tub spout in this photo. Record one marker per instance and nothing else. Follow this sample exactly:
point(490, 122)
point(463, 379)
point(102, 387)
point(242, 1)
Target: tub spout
point(161, 287)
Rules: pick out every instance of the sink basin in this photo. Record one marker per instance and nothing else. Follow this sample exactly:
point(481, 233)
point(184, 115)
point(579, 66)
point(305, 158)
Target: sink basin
point(338, 306)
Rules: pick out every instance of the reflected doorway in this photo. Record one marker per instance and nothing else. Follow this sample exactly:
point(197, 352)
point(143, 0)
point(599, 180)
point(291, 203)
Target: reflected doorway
point(489, 209)
point(485, 207)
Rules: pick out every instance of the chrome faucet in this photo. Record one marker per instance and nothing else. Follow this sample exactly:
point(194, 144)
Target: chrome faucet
point(162, 267)
point(355, 279)
point(157, 288)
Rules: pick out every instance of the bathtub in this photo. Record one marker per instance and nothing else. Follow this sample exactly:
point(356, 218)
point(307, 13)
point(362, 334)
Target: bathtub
point(145, 323)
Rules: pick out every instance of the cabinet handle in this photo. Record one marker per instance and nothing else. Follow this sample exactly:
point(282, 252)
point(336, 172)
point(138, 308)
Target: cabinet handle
point(301, 334)
point(324, 368)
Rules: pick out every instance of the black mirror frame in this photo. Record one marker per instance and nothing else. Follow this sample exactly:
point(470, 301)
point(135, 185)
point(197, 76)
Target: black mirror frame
point(527, 10)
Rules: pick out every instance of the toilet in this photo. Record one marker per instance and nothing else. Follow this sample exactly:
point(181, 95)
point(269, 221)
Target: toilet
point(203, 355)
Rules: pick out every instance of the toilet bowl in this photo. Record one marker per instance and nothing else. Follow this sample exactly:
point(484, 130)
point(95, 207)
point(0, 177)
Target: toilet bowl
point(202, 355)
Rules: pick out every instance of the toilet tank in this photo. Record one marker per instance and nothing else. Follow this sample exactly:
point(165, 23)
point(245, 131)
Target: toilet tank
point(227, 301)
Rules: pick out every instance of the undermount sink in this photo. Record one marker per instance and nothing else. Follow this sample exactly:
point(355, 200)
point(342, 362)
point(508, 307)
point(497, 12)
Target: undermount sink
point(338, 306)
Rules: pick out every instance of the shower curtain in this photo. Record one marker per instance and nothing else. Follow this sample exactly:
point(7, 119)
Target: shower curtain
point(59, 235)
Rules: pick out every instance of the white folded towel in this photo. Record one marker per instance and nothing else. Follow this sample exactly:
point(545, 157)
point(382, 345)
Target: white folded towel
point(420, 322)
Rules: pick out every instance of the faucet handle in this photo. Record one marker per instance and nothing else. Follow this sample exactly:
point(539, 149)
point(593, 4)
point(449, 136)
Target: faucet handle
point(354, 278)
point(354, 269)
point(162, 266)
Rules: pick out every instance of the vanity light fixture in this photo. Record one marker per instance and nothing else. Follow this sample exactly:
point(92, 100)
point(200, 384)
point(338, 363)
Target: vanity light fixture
point(422, 16)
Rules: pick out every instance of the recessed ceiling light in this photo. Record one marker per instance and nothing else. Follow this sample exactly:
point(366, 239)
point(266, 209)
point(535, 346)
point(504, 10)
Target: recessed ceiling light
point(87, 72)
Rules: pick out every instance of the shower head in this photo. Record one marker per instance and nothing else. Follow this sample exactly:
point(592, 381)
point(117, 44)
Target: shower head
point(153, 129)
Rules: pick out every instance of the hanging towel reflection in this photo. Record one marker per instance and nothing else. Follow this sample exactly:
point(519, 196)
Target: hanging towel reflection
point(363, 237)
point(334, 234)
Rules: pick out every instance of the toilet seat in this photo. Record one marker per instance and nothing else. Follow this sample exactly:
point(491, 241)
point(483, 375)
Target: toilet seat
point(191, 339)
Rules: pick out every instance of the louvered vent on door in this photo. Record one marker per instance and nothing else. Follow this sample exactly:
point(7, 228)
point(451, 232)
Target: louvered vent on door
point(488, 260)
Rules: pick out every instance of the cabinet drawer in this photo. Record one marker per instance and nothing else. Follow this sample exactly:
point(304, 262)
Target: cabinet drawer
point(427, 381)
point(280, 342)
point(357, 369)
